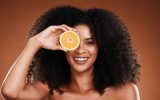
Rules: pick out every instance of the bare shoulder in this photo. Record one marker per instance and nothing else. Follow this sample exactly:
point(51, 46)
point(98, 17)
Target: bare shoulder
point(39, 85)
point(129, 91)
point(35, 90)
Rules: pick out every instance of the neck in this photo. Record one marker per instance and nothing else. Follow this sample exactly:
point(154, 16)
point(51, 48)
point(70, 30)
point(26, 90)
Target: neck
point(82, 81)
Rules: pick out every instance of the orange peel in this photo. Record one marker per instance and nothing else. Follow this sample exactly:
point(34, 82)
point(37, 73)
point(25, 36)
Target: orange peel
point(69, 40)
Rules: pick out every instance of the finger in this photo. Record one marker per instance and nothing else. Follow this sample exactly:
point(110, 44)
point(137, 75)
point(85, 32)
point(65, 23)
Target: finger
point(77, 32)
point(58, 45)
point(54, 29)
point(68, 27)
point(61, 28)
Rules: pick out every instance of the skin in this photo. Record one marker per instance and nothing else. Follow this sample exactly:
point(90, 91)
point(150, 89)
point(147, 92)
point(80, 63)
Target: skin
point(81, 74)
point(80, 87)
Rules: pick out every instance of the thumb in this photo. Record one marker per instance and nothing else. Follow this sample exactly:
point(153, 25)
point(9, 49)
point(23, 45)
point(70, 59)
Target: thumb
point(61, 48)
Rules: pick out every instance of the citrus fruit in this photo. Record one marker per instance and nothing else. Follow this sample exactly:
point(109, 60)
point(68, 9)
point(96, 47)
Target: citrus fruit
point(69, 40)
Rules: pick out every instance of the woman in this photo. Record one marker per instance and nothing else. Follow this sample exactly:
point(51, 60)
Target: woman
point(103, 67)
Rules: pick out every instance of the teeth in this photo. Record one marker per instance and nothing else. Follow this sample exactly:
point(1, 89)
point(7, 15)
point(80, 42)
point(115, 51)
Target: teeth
point(81, 59)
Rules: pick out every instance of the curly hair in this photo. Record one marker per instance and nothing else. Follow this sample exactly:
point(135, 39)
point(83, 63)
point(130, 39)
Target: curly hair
point(116, 61)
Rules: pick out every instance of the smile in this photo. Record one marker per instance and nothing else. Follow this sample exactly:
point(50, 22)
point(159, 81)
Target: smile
point(80, 60)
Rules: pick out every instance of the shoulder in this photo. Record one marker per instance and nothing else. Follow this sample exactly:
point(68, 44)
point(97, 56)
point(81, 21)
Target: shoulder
point(37, 88)
point(39, 83)
point(40, 86)
point(33, 91)
point(129, 91)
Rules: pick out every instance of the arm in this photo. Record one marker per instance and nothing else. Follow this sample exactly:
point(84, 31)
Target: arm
point(14, 82)
point(14, 86)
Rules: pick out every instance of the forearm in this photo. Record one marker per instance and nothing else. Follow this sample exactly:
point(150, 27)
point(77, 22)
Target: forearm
point(15, 79)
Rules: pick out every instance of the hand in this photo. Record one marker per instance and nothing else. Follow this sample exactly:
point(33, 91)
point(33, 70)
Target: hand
point(49, 38)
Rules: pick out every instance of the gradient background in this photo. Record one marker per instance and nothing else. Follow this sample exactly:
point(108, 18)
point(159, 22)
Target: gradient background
point(140, 16)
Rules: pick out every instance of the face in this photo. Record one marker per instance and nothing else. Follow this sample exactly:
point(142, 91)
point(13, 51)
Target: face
point(83, 58)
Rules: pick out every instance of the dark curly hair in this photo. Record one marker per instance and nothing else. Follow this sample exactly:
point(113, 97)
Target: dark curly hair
point(116, 62)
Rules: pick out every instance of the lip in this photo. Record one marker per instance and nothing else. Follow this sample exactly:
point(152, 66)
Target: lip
point(80, 62)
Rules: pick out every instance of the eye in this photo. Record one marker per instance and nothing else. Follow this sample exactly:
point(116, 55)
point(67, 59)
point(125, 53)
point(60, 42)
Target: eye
point(90, 42)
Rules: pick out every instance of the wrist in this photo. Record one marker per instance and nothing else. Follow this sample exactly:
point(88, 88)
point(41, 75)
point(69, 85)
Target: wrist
point(34, 42)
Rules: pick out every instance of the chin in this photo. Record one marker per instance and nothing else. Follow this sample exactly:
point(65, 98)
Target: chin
point(81, 68)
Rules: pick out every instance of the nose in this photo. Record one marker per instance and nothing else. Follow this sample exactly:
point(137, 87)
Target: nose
point(81, 49)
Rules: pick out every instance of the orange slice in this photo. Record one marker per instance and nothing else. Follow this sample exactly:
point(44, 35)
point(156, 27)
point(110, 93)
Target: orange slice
point(69, 40)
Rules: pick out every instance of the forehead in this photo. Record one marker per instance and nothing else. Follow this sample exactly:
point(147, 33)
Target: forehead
point(83, 31)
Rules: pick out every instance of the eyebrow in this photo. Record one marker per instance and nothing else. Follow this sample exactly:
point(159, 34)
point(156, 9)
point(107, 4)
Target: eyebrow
point(90, 38)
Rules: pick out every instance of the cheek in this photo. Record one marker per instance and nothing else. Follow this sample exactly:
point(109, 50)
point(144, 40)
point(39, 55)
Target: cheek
point(93, 50)
point(68, 56)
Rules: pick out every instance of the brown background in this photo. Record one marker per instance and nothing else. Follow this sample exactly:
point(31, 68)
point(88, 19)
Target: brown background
point(140, 16)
